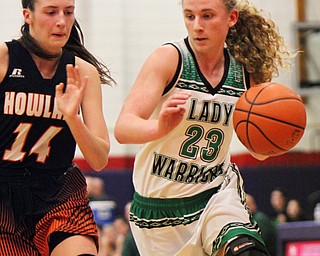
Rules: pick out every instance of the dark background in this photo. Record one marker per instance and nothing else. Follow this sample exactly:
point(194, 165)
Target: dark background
point(298, 174)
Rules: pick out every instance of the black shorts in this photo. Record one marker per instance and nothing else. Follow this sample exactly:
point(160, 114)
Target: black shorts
point(37, 203)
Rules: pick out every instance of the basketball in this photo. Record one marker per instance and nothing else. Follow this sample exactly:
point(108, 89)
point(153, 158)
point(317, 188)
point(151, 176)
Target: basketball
point(269, 119)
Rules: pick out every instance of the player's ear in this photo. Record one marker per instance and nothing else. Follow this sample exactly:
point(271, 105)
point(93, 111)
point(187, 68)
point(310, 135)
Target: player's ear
point(27, 15)
point(233, 18)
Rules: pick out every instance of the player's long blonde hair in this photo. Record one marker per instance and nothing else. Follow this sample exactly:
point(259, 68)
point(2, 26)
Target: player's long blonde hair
point(255, 42)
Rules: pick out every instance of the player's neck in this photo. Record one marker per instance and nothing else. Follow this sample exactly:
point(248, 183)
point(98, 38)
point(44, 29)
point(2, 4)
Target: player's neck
point(46, 67)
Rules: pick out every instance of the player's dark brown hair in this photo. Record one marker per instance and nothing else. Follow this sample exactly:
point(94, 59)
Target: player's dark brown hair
point(75, 44)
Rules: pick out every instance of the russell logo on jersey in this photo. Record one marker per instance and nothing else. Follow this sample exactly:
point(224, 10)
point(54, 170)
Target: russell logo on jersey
point(17, 73)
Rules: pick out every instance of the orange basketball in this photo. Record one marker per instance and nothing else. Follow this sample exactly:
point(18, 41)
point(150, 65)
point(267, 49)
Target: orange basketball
point(269, 119)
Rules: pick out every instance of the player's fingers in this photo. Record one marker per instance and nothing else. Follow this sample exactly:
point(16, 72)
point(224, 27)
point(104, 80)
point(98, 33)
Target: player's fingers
point(172, 102)
point(59, 90)
point(181, 95)
point(77, 80)
point(173, 110)
point(70, 74)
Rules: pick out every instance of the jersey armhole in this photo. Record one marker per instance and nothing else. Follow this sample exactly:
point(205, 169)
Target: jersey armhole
point(177, 73)
point(247, 79)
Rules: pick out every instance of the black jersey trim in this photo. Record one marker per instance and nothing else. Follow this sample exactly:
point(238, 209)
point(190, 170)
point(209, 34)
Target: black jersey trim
point(247, 79)
point(177, 73)
point(211, 89)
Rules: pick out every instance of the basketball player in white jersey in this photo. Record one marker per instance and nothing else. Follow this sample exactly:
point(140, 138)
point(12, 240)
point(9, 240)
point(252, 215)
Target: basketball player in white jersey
point(189, 198)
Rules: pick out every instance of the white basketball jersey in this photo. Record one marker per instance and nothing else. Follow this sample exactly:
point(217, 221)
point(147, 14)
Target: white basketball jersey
point(193, 157)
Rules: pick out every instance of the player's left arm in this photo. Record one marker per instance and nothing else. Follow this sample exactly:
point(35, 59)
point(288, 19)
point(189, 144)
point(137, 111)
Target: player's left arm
point(4, 60)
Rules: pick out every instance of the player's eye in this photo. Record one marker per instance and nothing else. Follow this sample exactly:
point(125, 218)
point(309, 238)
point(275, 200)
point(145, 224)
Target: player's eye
point(207, 16)
point(189, 16)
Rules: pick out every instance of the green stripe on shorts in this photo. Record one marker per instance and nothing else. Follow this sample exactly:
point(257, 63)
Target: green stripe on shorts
point(161, 212)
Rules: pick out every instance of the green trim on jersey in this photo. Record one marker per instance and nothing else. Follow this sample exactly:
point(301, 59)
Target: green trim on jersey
point(233, 230)
point(161, 212)
point(233, 84)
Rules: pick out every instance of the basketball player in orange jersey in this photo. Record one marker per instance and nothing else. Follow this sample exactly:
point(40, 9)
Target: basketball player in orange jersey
point(46, 78)
point(189, 198)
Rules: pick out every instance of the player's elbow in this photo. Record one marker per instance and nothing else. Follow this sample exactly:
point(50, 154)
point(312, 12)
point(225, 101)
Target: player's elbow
point(118, 136)
point(121, 133)
point(99, 165)
point(99, 159)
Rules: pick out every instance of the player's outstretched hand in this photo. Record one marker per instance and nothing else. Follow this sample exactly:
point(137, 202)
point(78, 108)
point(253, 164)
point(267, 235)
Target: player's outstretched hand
point(69, 101)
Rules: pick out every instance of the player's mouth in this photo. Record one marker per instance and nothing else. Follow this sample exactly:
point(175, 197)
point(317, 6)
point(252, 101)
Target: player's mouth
point(200, 39)
point(58, 35)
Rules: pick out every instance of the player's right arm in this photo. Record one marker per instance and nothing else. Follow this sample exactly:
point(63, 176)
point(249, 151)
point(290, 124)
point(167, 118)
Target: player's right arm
point(133, 125)
point(4, 60)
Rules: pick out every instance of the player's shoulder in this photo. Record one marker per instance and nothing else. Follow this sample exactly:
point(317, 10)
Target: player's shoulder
point(3, 46)
point(166, 51)
point(164, 56)
point(3, 50)
point(4, 60)
point(164, 59)
point(85, 67)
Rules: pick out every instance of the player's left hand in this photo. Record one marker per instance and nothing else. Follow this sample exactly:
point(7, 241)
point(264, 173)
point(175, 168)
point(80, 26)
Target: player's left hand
point(69, 101)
